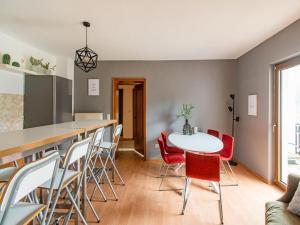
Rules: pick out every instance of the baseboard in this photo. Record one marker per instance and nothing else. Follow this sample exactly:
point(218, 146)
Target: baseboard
point(254, 173)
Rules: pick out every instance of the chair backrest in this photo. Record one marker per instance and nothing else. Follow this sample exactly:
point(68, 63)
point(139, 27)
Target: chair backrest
point(26, 179)
point(213, 133)
point(117, 133)
point(162, 147)
point(202, 166)
point(227, 150)
point(164, 136)
point(77, 151)
point(98, 137)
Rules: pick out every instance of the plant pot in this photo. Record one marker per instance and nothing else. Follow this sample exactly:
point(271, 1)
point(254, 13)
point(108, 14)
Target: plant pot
point(187, 128)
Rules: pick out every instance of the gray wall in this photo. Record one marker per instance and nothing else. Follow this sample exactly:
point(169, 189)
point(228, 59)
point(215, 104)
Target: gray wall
point(255, 75)
point(205, 84)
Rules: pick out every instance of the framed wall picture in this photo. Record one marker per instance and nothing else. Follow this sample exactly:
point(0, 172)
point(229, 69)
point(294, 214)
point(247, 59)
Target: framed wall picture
point(252, 105)
point(93, 87)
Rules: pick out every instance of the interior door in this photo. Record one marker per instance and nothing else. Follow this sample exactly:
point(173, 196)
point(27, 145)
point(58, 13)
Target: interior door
point(138, 114)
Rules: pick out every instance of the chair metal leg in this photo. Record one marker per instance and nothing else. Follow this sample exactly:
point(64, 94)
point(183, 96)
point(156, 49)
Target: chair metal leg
point(92, 208)
point(223, 167)
point(96, 184)
point(161, 167)
point(186, 193)
point(74, 205)
point(220, 204)
point(103, 172)
point(117, 172)
point(112, 159)
point(233, 177)
point(109, 182)
point(162, 179)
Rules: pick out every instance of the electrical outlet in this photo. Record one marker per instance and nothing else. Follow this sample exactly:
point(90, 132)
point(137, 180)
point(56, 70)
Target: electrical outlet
point(157, 146)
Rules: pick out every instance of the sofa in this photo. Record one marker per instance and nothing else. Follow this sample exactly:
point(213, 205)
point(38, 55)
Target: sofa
point(276, 211)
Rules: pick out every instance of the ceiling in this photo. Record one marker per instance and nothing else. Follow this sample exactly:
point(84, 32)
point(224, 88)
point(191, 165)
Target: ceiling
point(148, 29)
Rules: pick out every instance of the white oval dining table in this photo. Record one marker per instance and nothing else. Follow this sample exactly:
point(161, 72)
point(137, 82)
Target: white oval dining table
point(199, 142)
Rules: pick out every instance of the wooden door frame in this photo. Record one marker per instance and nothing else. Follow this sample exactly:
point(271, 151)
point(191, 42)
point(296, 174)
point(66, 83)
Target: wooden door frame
point(277, 116)
point(131, 80)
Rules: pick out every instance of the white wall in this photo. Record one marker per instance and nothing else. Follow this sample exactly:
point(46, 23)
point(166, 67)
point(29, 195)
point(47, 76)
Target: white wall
point(255, 138)
point(11, 82)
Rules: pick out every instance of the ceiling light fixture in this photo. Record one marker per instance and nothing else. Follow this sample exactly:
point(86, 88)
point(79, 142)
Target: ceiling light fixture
point(85, 58)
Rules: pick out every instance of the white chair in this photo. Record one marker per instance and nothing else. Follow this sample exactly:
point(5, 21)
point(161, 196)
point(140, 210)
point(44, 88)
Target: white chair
point(6, 173)
point(24, 181)
point(65, 177)
point(110, 148)
point(97, 160)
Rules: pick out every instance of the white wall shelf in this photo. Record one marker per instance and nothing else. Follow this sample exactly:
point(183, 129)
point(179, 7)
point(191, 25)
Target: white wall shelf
point(16, 69)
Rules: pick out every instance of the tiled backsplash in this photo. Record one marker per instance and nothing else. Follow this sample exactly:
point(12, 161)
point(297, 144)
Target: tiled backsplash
point(11, 112)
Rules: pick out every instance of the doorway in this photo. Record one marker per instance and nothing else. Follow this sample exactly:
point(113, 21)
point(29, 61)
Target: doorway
point(129, 109)
point(287, 113)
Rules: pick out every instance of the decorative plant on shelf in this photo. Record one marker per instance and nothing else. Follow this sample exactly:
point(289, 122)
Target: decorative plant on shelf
point(37, 65)
point(15, 64)
point(45, 66)
point(186, 113)
point(35, 62)
point(6, 59)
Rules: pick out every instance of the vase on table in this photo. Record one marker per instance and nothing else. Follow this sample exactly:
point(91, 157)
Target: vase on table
point(187, 128)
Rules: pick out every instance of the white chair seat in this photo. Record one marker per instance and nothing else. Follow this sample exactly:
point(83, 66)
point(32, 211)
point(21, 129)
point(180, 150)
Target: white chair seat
point(70, 176)
point(6, 173)
point(107, 145)
point(23, 213)
point(62, 153)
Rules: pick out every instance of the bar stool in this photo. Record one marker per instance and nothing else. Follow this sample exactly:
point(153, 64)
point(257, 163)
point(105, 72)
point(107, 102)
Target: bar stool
point(109, 149)
point(24, 181)
point(96, 160)
point(65, 177)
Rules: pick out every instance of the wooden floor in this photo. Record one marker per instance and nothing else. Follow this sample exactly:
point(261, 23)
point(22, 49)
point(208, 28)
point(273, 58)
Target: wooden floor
point(140, 202)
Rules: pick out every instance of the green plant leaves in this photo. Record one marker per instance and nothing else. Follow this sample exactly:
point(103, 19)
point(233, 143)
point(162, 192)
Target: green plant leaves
point(186, 111)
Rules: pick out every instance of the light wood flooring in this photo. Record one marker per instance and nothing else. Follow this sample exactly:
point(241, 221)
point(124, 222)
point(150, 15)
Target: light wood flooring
point(140, 202)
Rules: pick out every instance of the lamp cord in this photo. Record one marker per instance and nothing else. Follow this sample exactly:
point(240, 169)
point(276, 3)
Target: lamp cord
point(86, 36)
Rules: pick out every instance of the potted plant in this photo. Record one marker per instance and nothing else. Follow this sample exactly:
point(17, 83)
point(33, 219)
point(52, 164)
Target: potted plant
point(186, 113)
point(45, 67)
point(35, 63)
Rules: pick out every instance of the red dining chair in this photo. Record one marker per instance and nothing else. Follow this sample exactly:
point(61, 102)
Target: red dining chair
point(213, 133)
point(226, 154)
point(168, 159)
point(170, 149)
point(203, 167)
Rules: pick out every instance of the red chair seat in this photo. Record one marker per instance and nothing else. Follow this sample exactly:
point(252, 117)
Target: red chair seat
point(174, 150)
point(174, 158)
point(223, 157)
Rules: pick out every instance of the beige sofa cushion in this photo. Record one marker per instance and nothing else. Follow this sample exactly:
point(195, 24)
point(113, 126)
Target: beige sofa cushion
point(294, 206)
point(277, 214)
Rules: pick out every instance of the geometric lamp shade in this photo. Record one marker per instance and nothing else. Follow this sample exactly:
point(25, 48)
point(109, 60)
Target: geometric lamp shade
point(86, 59)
